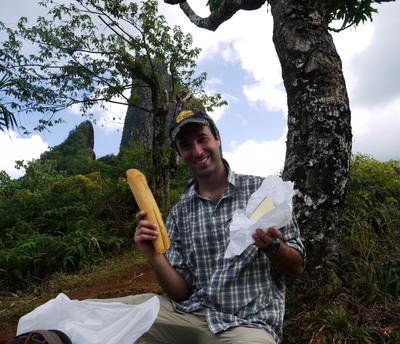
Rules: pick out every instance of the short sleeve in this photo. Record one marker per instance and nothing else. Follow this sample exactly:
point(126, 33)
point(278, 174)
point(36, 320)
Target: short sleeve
point(291, 235)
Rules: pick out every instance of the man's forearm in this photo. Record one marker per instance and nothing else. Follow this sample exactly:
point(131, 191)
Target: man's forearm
point(288, 260)
point(170, 280)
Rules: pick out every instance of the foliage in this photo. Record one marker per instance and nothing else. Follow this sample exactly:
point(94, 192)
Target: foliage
point(133, 156)
point(372, 220)
point(363, 304)
point(213, 4)
point(179, 182)
point(90, 52)
point(353, 12)
point(51, 222)
point(7, 118)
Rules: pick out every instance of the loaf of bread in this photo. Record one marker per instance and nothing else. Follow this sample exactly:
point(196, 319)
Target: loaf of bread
point(264, 207)
point(146, 202)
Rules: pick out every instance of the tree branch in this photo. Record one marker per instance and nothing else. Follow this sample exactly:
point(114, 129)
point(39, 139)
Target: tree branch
point(225, 10)
point(174, 2)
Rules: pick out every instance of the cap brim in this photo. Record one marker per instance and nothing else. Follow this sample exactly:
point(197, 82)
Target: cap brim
point(175, 132)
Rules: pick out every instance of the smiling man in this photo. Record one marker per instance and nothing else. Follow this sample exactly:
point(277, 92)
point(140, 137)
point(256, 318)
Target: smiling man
point(212, 299)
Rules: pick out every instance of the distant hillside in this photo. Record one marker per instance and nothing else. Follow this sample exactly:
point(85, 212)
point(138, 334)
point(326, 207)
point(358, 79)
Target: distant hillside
point(75, 154)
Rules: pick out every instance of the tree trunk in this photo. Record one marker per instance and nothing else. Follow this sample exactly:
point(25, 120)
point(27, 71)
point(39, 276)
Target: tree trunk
point(319, 129)
point(161, 160)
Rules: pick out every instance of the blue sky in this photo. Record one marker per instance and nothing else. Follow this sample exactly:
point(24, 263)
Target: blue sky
point(241, 63)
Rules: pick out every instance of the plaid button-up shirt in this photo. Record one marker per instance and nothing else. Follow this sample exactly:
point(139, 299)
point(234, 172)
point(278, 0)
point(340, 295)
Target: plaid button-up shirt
point(243, 290)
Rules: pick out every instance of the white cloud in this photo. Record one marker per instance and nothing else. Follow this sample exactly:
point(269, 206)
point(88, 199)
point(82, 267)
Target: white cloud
point(353, 40)
point(75, 109)
point(15, 148)
point(370, 55)
point(376, 130)
point(217, 113)
point(258, 158)
point(273, 95)
point(213, 81)
point(373, 73)
point(258, 59)
point(241, 47)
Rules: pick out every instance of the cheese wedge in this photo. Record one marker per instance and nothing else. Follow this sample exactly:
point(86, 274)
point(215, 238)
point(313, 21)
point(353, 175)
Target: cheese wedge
point(264, 207)
point(146, 202)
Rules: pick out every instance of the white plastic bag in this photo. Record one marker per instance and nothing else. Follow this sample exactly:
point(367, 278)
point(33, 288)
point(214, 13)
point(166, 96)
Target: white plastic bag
point(92, 322)
point(242, 228)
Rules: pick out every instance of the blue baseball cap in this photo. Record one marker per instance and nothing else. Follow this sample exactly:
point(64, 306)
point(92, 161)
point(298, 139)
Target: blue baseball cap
point(190, 116)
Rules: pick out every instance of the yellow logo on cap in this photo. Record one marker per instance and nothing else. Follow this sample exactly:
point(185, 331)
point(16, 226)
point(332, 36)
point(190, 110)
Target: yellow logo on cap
point(183, 114)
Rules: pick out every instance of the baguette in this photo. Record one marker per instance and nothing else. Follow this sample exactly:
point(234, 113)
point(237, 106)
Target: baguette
point(146, 202)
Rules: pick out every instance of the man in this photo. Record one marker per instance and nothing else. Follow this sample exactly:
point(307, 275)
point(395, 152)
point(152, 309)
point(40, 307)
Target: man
point(216, 300)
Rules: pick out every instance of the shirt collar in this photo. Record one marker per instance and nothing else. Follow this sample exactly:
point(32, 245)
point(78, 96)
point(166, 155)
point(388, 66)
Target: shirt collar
point(191, 185)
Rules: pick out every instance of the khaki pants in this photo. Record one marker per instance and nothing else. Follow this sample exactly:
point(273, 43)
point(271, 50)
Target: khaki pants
point(175, 327)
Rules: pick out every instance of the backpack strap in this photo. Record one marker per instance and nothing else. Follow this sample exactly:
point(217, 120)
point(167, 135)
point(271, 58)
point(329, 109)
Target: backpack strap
point(65, 339)
point(44, 336)
point(49, 336)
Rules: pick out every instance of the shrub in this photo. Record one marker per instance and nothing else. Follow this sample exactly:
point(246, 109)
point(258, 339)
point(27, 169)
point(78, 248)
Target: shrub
point(51, 222)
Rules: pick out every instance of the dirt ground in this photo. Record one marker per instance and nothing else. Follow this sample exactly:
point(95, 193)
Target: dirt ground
point(139, 280)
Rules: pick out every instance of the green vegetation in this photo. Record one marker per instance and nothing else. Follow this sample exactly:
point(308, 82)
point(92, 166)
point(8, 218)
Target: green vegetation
point(7, 118)
point(363, 304)
point(134, 156)
point(75, 155)
point(51, 222)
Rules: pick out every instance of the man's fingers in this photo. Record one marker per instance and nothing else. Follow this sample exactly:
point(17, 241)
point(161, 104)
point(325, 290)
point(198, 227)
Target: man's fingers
point(259, 243)
point(145, 234)
point(147, 224)
point(261, 238)
point(140, 215)
point(146, 237)
point(145, 230)
point(274, 232)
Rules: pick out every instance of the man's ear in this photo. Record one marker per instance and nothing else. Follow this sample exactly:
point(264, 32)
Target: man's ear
point(177, 150)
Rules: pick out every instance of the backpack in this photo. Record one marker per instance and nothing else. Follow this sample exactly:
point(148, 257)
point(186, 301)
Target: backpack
point(41, 337)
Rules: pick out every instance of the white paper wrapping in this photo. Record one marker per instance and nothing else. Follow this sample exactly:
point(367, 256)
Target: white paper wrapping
point(92, 322)
point(242, 228)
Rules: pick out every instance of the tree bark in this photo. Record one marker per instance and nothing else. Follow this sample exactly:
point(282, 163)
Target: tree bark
point(319, 129)
point(161, 160)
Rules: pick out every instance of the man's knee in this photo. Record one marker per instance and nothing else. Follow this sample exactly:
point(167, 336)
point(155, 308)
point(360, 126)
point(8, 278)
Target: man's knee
point(129, 300)
point(244, 334)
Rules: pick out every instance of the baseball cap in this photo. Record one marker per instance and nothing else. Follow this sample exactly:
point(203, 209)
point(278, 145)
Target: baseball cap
point(190, 116)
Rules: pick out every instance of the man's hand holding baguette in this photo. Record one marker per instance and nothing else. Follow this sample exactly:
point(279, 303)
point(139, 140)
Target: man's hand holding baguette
point(145, 234)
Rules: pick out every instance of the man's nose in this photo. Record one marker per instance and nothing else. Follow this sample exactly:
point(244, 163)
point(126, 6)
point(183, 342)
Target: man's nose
point(197, 149)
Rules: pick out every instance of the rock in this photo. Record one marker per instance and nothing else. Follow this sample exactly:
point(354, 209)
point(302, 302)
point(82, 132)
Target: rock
point(75, 154)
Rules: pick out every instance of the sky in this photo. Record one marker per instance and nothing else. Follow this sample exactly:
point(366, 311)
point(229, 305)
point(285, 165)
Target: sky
point(242, 65)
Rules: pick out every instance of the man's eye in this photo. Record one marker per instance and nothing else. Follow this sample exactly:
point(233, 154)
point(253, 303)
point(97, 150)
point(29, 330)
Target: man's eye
point(184, 146)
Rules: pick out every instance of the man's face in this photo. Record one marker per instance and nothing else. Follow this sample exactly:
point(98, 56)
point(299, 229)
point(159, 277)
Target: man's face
point(199, 149)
